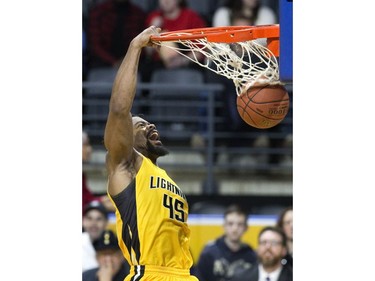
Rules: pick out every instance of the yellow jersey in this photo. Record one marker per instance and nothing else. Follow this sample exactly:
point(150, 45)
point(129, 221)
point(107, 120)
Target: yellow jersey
point(151, 220)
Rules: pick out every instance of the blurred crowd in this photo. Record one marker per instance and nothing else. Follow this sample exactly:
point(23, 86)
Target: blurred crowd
point(110, 25)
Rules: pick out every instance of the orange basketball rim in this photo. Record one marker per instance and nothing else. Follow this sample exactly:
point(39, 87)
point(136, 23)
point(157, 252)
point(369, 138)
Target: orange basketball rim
point(226, 34)
point(245, 54)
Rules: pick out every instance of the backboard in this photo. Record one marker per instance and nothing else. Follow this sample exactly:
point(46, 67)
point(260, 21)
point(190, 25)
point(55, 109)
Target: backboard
point(286, 40)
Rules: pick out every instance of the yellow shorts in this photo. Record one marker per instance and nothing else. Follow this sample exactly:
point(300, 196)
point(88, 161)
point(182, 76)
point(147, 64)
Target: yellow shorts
point(158, 273)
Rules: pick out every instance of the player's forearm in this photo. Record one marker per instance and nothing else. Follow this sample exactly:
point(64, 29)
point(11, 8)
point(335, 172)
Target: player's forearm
point(124, 86)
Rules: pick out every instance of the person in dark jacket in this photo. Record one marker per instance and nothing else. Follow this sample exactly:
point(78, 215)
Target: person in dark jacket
point(227, 256)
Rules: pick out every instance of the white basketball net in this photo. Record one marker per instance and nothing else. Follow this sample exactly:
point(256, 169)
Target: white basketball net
point(246, 63)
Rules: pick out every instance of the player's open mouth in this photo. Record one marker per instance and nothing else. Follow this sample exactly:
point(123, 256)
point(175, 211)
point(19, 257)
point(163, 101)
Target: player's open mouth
point(154, 137)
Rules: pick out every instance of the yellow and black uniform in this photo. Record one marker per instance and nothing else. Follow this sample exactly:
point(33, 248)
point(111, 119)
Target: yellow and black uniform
point(151, 216)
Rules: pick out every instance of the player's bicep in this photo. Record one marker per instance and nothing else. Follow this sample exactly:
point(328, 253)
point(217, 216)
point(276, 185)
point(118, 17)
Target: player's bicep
point(118, 137)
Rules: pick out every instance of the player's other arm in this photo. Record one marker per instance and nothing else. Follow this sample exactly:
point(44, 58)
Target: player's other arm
point(118, 134)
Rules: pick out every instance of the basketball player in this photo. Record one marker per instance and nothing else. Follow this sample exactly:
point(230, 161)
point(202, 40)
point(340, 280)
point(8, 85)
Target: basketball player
point(151, 210)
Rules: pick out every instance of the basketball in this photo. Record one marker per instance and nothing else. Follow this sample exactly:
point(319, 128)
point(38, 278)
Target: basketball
point(263, 106)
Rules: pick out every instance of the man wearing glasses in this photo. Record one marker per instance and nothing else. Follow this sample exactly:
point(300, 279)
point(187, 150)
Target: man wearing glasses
point(271, 250)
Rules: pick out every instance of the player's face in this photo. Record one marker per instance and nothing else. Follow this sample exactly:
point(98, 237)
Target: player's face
point(270, 249)
point(146, 138)
point(235, 226)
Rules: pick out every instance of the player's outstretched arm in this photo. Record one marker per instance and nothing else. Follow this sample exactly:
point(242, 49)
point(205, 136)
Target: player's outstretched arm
point(118, 134)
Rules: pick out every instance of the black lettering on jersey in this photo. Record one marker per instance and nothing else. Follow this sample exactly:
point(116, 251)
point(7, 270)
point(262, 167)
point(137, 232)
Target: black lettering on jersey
point(152, 182)
point(158, 183)
point(179, 209)
point(170, 187)
point(176, 209)
point(165, 184)
point(167, 203)
point(178, 192)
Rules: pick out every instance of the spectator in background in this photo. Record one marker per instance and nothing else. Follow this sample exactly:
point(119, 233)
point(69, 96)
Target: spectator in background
point(270, 252)
point(260, 14)
point(111, 264)
point(241, 19)
point(285, 222)
point(112, 24)
point(227, 256)
point(87, 195)
point(94, 222)
point(172, 15)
